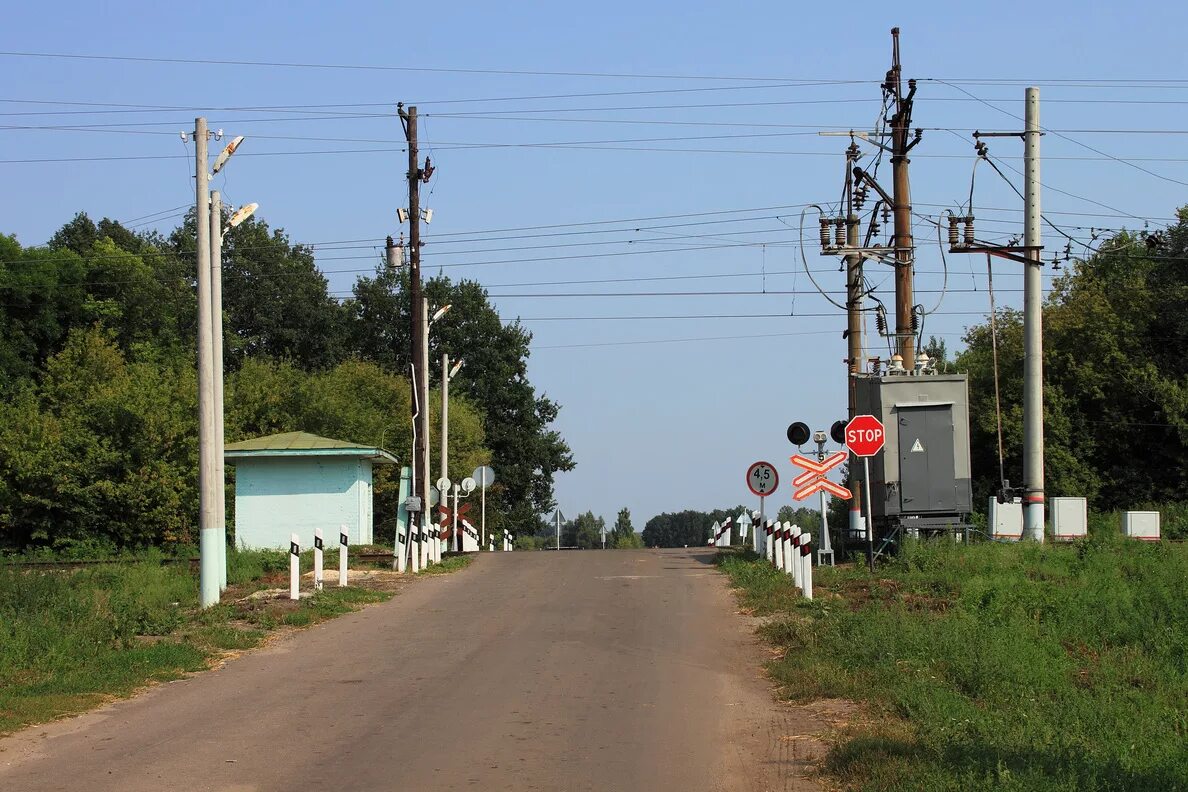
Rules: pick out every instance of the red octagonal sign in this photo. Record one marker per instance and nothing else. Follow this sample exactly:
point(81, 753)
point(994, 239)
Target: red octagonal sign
point(864, 435)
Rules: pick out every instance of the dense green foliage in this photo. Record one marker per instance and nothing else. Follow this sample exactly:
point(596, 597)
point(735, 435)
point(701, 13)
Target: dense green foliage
point(1005, 667)
point(1115, 377)
point(98, 413)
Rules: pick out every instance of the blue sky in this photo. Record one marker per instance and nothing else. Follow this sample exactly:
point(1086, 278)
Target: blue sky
point(713, 187)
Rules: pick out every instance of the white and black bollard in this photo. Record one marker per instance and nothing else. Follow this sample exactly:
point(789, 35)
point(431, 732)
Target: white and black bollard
point(401, 548)
point(425, 559)
point(507, 541)
point(343, 541)
point(767, 550)
point(319, 546)
point(806, 560)
point(414, 538)
point(792, 560)
point(294, 568)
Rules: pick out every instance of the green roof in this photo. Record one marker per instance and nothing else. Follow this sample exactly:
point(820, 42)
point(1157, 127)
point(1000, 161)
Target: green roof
point(291, 444)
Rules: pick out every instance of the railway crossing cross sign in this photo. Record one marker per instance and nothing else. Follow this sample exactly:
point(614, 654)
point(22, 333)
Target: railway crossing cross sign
point(814, 480)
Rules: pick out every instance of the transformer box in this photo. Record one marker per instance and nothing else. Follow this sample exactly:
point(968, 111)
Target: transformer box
point(921, 479)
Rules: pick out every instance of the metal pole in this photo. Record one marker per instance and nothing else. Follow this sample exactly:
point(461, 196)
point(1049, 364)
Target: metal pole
point(483, 498)
point(461, 544)
point(1033, 350)
point(208, 525)
point(558, 518)
point(216, 333)
point(869, 518)
point(445, 415)
point(426, 482)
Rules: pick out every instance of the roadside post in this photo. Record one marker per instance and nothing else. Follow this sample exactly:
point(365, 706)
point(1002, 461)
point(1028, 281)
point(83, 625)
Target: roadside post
point(793, 559)
point(806, 565)
point(318, 548)
point(484, 476)
point(343, 540)
point(294, 567)
point(769, 541)
point(864, 438)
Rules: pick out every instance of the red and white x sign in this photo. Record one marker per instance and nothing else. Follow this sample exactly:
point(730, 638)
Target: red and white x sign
point(814, 479)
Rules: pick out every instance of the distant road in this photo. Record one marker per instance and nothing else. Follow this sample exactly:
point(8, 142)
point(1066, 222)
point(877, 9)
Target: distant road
point(583, 670)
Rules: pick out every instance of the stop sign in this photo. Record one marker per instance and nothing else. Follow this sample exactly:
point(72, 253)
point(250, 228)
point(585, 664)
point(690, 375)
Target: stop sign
point(864, 436)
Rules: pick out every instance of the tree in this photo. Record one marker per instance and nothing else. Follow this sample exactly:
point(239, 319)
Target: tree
point(585, 531)
point(685, 529)
point(275, 301)
point(1114, 378)
point(525, 451)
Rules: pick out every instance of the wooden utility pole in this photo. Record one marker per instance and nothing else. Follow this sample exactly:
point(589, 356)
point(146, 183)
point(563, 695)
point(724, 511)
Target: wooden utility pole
point(901, 122)
point(419, 365)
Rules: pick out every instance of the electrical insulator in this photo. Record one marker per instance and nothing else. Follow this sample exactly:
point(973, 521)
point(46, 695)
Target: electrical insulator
point(886, 214)
point(839, 232)
point(825, 233)
point(916, 319)
point(969, 229)
point(954, 234)
point(881, 322)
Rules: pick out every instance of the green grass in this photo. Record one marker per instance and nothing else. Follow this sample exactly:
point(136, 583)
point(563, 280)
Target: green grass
point(70, 639)
point(994, 667)
point(449, 564)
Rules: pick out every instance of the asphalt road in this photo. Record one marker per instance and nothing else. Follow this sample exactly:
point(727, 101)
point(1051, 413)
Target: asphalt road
point(579, 670)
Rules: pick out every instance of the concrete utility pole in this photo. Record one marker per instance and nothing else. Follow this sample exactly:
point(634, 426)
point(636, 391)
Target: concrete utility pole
point(208, 524)
point(904, 244)
point(1033, 345)
point(216, 333)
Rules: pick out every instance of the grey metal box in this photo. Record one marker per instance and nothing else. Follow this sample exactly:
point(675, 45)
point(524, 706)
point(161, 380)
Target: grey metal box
point(924, 469)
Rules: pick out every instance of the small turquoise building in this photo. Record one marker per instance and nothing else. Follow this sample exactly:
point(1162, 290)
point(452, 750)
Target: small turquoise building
point(295, 482)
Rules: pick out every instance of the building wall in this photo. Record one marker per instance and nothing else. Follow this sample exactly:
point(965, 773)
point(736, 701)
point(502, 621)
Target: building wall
point(277, 497)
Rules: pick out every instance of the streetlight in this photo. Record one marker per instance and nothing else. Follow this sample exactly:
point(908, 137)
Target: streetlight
point(447, 374)
point(423, 396)
point(211, 493)
point(216, 315)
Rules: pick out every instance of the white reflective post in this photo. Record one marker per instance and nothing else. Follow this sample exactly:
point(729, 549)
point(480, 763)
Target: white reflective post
point(343, 539)
point(318, 547)
point(294, 567)
point(806, 565)
point(792, 559)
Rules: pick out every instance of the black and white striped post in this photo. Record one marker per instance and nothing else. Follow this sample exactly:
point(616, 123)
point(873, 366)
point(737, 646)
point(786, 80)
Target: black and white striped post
point(343, 541)
point(294, 567)
point(778, 534)
point(770, 543)
point(806, 565)
point(319, 546)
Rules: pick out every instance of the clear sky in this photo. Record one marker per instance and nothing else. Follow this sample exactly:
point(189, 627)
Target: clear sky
point(688, 145)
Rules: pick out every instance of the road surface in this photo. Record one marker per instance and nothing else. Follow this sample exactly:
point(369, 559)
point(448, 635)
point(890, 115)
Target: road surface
point(578, 670)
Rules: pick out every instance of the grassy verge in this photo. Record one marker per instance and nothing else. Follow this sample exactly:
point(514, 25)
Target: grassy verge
point(1003, 667)
point(71, 639)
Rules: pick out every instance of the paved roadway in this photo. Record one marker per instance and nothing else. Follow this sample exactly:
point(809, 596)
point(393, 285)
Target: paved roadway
point(580, 670)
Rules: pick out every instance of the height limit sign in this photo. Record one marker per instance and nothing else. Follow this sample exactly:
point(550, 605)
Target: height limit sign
point(762, 478)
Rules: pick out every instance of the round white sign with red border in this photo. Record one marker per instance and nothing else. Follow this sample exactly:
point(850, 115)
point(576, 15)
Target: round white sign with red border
point(763, 479)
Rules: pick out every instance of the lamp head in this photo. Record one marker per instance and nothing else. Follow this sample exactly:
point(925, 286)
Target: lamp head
point(243, 213)
point(226, 153)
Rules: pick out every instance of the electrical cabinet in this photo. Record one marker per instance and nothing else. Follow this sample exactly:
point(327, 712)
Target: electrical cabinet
point(921, 478)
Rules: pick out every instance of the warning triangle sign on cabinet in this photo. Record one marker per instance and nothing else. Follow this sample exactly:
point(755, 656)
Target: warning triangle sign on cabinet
point(917, 447)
